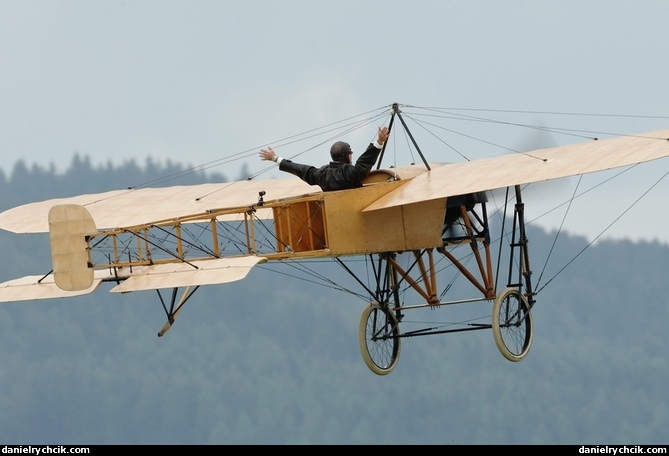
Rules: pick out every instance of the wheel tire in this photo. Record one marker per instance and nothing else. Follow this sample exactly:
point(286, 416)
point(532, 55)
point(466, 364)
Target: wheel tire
point(512, 325)
point(382, 352)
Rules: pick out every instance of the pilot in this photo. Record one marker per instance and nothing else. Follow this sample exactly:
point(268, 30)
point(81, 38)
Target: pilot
point(340, 173)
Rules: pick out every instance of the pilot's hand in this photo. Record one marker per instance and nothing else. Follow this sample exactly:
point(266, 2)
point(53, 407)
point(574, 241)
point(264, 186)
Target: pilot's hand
point(383, 135)
point(267, 154)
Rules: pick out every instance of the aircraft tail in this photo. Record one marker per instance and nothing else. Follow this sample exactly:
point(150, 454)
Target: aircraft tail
point(69, 224)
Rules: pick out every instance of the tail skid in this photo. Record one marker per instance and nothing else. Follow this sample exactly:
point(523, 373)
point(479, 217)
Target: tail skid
point(173, 312)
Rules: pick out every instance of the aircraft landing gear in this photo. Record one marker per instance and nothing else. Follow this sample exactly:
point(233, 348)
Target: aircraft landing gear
point(512, 324)
point(378, 336)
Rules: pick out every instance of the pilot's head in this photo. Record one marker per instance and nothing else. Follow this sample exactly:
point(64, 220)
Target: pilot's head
point(341, 152)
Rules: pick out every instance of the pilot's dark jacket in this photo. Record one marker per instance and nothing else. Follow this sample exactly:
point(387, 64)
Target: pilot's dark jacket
point(336, 175)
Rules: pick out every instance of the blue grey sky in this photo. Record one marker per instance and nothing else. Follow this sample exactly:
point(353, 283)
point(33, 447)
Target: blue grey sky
point(192, 82)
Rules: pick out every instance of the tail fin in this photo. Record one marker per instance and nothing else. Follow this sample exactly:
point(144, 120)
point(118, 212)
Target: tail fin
point(68, 226)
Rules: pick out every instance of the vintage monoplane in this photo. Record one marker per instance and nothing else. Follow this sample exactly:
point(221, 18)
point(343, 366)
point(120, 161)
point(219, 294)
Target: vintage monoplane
point(406, 221)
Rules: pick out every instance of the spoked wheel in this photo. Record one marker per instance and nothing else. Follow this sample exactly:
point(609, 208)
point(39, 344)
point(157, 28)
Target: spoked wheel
point(512, 324)
point(377, 335)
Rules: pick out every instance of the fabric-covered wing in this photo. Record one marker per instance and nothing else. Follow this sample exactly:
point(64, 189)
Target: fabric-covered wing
point(39, 287)
point(124, 208)
point(207, 272)
point(524, 168)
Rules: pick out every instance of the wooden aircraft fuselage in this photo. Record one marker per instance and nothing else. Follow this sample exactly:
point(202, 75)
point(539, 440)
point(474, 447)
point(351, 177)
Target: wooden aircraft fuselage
point(344, 229)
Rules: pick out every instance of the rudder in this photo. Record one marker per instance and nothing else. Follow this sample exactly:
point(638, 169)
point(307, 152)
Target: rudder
point(68, 226)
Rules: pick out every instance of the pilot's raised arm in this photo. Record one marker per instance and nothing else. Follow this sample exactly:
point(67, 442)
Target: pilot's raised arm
point(341, 173)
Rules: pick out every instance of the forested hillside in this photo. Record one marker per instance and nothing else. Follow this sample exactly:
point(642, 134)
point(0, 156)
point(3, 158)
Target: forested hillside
point(275, 360)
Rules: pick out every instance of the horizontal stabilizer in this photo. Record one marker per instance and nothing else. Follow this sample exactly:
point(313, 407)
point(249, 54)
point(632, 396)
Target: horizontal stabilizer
point(202, 272)
point(31, 287)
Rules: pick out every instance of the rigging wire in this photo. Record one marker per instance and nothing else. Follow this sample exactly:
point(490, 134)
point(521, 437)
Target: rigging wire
point(555, 113)
point(345, 125)
point(564, 217)
point(350, 123)
point(318, 278)
point(349, 128)
point(606, 229)
point(340, 128)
